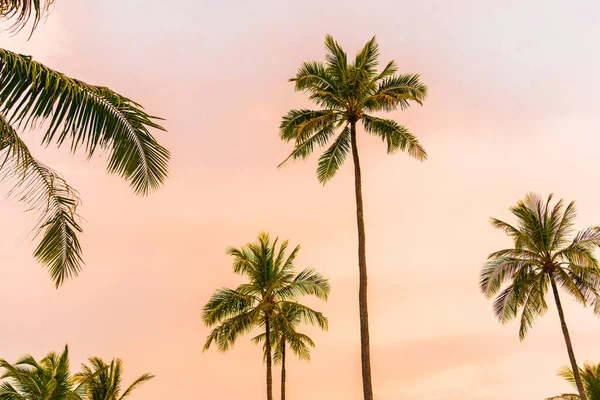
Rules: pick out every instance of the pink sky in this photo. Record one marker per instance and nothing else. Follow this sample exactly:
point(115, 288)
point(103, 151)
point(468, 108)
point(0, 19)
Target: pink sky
point(512, 108)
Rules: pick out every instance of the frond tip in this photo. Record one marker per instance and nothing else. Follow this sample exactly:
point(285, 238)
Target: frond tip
point(47, 193)
point(22, 11)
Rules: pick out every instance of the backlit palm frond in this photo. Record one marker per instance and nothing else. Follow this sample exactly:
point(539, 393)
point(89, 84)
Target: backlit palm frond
point(397, 137)
point(43, 191)
point(89, 116)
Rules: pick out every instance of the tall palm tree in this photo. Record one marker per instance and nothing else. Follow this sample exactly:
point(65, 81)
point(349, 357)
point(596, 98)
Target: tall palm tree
point(271, 285)
point(103, 381)
point(543, 254)
point(86, 118)
point(284, 333)
point(590, 375)
point(348, 94)
point(48, 379)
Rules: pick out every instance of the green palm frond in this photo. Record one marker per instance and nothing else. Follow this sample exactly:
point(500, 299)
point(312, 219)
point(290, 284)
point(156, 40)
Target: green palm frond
point(42, 190)
point(397, 137)
point(88, 116)
point(332, 159)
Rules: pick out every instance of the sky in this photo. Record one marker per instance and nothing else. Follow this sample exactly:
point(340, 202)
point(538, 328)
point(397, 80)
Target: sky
point(512, 108)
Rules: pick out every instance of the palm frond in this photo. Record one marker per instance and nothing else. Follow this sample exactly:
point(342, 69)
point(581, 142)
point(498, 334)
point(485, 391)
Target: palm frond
point(90, 116)
point(334, 157)
point(396, 136)
point(44, 191)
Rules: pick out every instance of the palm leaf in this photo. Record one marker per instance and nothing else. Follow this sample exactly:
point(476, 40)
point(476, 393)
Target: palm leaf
point(88, 115)
point(48, 194)
point(333, 158)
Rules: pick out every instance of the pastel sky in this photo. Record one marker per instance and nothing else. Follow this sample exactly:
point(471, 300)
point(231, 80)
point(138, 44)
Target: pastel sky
point(513, 107)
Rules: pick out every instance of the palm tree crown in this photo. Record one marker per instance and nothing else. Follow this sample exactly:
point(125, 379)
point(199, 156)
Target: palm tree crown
point(348, 93)
point(28, 379)
point(272, 286)
point(543, 251)
point(103, 381)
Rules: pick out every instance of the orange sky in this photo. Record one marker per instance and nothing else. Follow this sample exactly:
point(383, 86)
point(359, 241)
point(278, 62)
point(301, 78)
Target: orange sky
point(512, 108)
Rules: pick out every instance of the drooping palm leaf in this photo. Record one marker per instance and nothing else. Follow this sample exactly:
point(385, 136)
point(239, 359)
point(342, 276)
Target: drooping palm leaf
point(46, 192)
point(87, 116)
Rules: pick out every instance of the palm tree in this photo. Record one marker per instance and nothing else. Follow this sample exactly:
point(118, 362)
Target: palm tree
point(349, 93)
point(543, 254)
point(272, 284)
point(103, 381)
point(48, 379)
point(284, 333)
point(86, 118)
point(590, 375)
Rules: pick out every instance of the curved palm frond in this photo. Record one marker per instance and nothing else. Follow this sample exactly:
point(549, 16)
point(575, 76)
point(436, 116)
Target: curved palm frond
point(42, 190)
point(332, 159)
point(88, 115)
point(397, 137)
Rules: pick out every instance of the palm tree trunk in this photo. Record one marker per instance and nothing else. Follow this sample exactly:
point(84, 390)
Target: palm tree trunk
point(563, 324)
point(283, 368)
point(268, 351)
point(365, 352)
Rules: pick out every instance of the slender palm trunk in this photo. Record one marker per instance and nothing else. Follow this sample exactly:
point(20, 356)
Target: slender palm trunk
point(283, 368)
point(563, 324)
point(268, 351)
point(365, 352)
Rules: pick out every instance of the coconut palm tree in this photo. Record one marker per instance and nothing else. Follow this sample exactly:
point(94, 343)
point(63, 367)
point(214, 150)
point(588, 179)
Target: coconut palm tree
point(590, 376)
point(48, 379)
point(85, 117)
point(284, 334)
point(102, 381)
point(349, 93)
point(272, 284)
point(543, 254)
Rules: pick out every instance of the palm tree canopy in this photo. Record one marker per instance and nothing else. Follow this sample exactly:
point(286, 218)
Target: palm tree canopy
point(590, 374)
point(103, 381)
point(349, 92)
point(272, 284)
point(284, 332)
point(88, 117)
point(28, 379)
point(545, 248)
